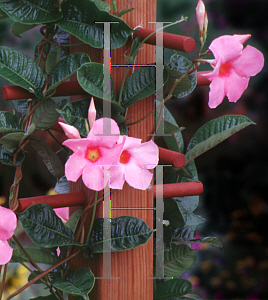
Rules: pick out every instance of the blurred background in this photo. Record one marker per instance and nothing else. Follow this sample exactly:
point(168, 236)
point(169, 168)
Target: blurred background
point(234, 174)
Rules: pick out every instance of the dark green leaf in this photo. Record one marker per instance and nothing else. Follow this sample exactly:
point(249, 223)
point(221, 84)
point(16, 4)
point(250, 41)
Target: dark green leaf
point(21, 70)
point(190, 170)
point(45, 115)
point(6, 157)
point(21, 106)
point(178, 260)
point(134, 51)
point(80, 283)
point(213, 133)
point(50, 158)
point(7, 120)
point(53, 58)
point(172, 288)
point(125, 11)
point(83, 25)
point(90, 76)
point(3, 15)
point(213, 241)
point(102, 5)
point(168, 234)
point(126, 233)
point(65, 68)
point(11, 141)
point(189, 297)
point(45, 228)
point(172, 213)
point(184, 234)
point(62, 186)
point(188, 203)
point(31, 11)
point(74, 219)
point(178, 65)
point(18, 28)
point(48, 297)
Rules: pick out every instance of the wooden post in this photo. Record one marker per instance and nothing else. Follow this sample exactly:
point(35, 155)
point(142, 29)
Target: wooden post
point(134, 267)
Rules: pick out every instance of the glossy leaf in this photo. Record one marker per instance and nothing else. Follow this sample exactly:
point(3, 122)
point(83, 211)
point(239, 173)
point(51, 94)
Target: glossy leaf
point(172, 213)
point(53, 58)
point(102, 5)
point(45, 115)
point(78, 22)
point(62, 186)
point(31, 11)
point(184, 234)
point(126, 233)
point(65, 68)
point(45, 228)
point(177, 66)
point(74, 219)
point(37, 254)
point(213, 133)
point(213, 241)
point(21, 70)
point(7, 157)
point(139, 85)
point(17, 28)
point(173, 288)
point(178, 260)
point(8, 121)
point(11, 141)
point(50, 158)
point(75, 113)
point(188, 203)
point(80, 283)
point(90, 76)
point(21, 106)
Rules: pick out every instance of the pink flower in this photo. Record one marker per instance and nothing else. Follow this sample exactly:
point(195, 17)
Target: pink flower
point(91, 113)
point(8, 224)
point(232, 68)
point(135, 160)
point(200, 15)
point(94, 155)
point(62, 212)
point(70, 131)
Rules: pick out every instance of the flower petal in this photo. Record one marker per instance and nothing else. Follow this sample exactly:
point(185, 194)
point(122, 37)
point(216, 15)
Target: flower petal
point(78, 144)
point(226, 47)
point(242, 38)
point(249, 63)
point(70, 131)
point(216, 93)
point(93, 177)
point(8, 223)
point(62, 212)
point(5, 252)
point(235, 86)
point(146, 155)
point(74, 166)
point(117, 179)
point(109, 156)
point(137, 177)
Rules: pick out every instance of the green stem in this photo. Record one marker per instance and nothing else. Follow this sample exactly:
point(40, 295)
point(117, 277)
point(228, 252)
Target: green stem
point(56, 140)
point(93, 217)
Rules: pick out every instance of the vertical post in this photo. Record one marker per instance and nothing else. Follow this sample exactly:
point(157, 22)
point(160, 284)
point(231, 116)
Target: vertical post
point(133, 267)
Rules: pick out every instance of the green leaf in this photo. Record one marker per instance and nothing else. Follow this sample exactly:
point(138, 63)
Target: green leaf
point(74, 219)
point(178, 260)
point(80, 283)
point(48, 297)
point(31, 11)
point(50, 158)
point(172, 288)
point(189, 297)
point(90, 76)
point(83, 25)
point(45, 115)
point(65, 68)
point(3, 15)
point(134, 51)
point(6, 157)
point(53, 58)
point(213, 133)
point(139, 85)
point(22, 70)
point(17, 28)
point(213, 241)
point(11, 141)
point(126, 233)
point(75, 113)
point(8, 121)
point(102, 5)
point(38, 255)
point(177, 66)
point(188, 203)
point(62, 186)
point(172, 213)
point(45, 228)
point(21, 106)
point(184, 234)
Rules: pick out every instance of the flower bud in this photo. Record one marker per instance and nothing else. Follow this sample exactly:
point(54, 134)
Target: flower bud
point(70, 131)
point(91, 113)
point(200, 16)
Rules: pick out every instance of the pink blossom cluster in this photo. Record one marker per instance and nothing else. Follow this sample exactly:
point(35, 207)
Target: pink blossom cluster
point(100, 158)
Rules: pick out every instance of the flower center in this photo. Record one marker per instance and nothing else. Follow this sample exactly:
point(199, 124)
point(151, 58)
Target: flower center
point(93, 153)
point(124, 157)
point(225, 69)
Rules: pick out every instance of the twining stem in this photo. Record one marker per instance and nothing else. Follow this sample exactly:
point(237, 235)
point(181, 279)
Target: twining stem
point(42, 274)
point(92, 217)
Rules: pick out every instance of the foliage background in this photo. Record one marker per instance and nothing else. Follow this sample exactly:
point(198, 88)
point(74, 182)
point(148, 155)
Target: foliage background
point(234, 173)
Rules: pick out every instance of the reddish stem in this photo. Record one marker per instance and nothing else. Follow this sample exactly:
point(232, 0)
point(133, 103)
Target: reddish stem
point(202, 80)
point(171, 41)
point(55, 201)
point(181, 189)
point(170, 157)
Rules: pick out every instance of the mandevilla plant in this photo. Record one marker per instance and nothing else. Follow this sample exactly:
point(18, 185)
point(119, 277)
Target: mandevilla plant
point(103, 159)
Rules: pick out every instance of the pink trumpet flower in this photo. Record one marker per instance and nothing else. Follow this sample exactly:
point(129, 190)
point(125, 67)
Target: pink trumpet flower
point(232, 66)
point(93, 155)
point(8, 224)
point(70, 131)
point(62, 212)
point(91, 113)
point(133, 164)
